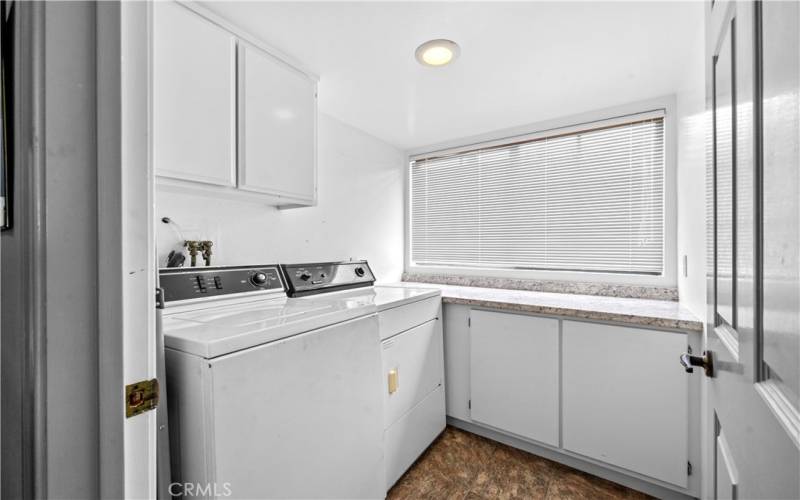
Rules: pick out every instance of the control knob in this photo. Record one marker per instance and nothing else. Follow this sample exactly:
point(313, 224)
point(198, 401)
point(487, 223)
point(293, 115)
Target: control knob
point(259, 278)
point(305, 276)
point(359, 272)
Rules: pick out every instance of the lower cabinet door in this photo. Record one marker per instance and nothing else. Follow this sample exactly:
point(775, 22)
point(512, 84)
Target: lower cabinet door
point(625, 398)
point(514, 371)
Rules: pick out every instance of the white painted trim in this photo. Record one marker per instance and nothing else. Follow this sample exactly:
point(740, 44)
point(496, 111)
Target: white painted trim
point(37, 239)
point(669, 277)
point(728, 339)
point(126, 260)
point(109, 292)
point(33, 247)
point(272, 199)
point(781, 407)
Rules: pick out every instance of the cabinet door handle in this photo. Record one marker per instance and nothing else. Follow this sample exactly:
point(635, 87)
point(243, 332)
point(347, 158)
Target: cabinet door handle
point(706, 361)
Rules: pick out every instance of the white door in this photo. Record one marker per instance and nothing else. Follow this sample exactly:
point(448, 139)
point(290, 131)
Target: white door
point(277, 127)
point(753, 331)
point(194, 97)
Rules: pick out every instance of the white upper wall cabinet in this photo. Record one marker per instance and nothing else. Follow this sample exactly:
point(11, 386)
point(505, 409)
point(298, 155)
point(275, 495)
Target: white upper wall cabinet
point(230, 116)
point(194, 97)
point(277, 127)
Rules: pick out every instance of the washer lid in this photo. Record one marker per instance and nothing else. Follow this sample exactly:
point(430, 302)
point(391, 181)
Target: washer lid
point(224, 329)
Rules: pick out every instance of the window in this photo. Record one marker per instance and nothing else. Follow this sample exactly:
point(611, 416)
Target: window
point(589, 199)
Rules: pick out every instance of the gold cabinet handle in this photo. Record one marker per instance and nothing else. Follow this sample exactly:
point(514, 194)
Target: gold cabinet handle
point(393, 381)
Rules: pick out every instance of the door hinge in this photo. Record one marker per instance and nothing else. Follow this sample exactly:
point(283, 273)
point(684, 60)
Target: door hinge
point(469, 404)
point(159, 298)
point(141, 397)
point(469, 321)
point(689, 468)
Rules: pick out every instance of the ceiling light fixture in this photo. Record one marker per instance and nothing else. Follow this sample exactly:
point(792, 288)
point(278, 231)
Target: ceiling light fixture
point(437, 52)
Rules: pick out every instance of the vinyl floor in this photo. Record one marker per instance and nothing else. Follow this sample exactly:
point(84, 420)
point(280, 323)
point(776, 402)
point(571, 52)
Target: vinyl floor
point(462, 465)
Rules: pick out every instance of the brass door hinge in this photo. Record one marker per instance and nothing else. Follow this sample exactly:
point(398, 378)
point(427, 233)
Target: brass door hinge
point(141, 397)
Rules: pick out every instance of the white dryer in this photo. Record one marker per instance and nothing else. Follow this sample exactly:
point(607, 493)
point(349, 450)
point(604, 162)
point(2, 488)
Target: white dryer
point(410, 325)
point(271, 397)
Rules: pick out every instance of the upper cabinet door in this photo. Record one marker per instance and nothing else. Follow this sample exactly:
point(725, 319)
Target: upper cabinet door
point(277, 127)
point(194, 97)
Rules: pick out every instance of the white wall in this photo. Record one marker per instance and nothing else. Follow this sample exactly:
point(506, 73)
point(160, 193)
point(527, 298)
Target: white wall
point(359, 212)
point(692, 132)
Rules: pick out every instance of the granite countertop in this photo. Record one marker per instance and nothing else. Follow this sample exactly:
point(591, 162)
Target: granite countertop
point(639, 312)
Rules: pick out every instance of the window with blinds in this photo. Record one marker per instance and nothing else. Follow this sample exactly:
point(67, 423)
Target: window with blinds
point(591, 200)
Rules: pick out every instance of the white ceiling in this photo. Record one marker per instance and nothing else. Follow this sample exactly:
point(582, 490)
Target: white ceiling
point(521, 62)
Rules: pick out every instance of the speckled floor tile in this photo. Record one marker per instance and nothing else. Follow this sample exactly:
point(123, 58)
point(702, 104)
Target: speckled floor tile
point(576, 485)
point(460, 465)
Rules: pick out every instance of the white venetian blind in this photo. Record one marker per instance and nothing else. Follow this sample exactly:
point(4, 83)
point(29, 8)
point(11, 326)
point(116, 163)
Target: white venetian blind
point(591, 200)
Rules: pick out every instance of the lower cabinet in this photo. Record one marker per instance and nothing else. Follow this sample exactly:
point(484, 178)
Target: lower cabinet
point(514, 374)
point(609, 394)
point(625, 398)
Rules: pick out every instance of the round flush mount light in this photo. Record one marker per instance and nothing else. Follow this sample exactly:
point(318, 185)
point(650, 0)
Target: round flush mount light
point(437, 52)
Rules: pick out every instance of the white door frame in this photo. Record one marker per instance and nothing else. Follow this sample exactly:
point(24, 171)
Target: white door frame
point(126, 252)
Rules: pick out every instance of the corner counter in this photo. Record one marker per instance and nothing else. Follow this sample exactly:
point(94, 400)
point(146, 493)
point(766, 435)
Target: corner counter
point(665, 314)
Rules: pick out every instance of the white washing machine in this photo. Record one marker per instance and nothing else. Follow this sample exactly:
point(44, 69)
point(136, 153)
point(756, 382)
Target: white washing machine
point(412, 358)
point(271, 397)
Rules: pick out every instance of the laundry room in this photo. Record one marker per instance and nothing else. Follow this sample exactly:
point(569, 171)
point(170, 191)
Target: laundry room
point(406, 250)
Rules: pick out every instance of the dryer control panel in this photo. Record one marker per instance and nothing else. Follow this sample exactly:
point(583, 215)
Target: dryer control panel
point(321, 277)
point(189, 283)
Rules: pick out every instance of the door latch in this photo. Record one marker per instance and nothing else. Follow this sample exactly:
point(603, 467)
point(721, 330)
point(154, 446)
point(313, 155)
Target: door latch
point(141, 397)
point(706, 361)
